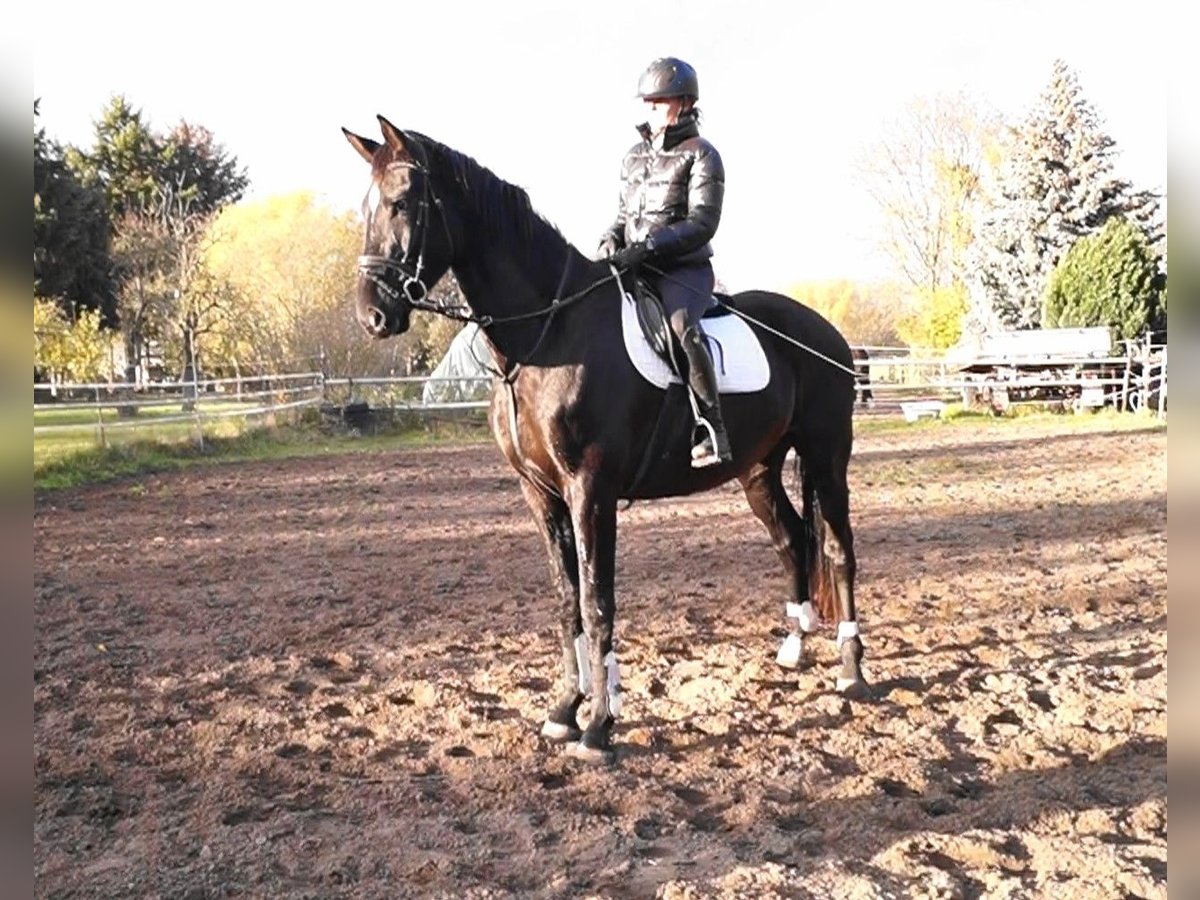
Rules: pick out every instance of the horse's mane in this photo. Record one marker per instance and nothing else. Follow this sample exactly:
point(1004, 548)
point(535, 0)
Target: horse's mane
point(503, 210)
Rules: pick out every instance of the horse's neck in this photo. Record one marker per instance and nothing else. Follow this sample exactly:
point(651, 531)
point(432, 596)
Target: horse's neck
point(499, 287)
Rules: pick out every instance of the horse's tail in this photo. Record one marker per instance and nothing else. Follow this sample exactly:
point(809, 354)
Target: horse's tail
point(821, 590)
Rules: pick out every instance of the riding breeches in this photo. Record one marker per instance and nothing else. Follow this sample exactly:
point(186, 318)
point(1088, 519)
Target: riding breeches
point(686, 293)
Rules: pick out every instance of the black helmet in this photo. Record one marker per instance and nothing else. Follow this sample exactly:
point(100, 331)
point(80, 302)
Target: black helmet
point(668, 77)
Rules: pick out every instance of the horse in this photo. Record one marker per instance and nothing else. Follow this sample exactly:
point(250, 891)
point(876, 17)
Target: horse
point(862, 375)
point(572, 415)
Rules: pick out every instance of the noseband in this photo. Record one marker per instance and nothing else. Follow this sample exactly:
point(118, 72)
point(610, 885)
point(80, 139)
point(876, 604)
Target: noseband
point(411, 288)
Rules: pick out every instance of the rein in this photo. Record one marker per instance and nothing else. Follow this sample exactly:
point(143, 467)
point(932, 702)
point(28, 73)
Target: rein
point(413, 290)
point(763, 325)
point(416, 293)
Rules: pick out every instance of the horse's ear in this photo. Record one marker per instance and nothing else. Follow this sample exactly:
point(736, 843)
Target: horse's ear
point(395, 138)
point(365, 146)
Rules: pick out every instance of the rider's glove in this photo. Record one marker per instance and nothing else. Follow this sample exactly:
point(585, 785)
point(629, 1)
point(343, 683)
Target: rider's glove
point(628, 257)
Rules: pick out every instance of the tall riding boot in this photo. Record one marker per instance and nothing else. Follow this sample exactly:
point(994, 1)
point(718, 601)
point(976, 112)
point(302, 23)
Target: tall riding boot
point(713, 446)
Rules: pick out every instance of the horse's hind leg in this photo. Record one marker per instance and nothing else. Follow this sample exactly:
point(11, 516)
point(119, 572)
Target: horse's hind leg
point(837, 546)
point(558, 534)
point(763, 485)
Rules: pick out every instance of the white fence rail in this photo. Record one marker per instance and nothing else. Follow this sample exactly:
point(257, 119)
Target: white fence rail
point(1135, 381)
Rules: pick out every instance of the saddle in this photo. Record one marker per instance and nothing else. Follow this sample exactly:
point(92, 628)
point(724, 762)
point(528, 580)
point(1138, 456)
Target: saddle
point(657, 330)
point(738, 358)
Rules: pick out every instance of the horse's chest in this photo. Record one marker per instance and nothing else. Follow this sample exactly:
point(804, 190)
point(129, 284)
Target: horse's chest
point(529, 437)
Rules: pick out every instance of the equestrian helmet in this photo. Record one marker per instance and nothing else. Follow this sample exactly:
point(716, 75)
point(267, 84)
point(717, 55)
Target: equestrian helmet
point(668, 77)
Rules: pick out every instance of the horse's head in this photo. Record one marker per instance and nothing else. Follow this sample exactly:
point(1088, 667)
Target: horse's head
point(408, 244)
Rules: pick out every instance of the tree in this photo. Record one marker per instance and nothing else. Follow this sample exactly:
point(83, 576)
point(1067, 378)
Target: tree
point(64, 350)
point(292, 265)
point(1110, 278)
point(160, 190)
point(141, 255)
point(924, 174)
point(71, 261)
point(123, 160)
point(865, 314)
point(1056, 186)
point(935, 319)
point(291, 262)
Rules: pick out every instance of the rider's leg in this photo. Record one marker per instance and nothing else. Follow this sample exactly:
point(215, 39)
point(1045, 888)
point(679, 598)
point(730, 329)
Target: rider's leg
point(687, 293)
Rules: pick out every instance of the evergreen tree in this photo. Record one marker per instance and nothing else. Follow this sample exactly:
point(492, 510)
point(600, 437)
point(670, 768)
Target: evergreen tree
point(123, 159)
point(71, 261)
point(136, 167)
point(1110, 278)
point(1056, 186)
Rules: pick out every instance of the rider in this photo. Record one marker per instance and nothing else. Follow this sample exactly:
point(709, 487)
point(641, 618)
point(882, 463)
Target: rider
point(673, 183)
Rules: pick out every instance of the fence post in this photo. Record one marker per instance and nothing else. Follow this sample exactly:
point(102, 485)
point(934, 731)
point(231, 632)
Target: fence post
point(100, 420)
point(1145, 379)
point(195, 391)
point(1123, 401)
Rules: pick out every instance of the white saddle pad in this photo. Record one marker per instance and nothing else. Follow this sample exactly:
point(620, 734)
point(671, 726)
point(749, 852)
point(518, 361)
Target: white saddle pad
point(738, 357)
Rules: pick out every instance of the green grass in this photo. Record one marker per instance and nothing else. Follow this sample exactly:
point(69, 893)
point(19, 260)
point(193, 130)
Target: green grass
point(85, 433)
point(55, 447)
point(151, 451)
point(111, 416)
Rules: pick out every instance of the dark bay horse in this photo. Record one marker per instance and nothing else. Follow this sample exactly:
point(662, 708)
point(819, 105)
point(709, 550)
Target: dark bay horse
point(575, 419)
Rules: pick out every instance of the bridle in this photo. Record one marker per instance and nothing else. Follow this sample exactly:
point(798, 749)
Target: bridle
point(410, 287)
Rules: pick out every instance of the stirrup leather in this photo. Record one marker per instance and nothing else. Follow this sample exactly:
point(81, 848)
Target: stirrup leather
point(713, 446)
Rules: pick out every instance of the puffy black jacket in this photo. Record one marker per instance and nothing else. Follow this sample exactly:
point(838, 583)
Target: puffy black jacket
point(670, 197)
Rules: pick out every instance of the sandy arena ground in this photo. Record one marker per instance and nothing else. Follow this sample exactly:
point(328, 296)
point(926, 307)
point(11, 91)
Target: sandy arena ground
point(325, 677)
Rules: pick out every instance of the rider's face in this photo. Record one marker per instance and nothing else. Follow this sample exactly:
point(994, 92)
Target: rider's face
point(664, 112)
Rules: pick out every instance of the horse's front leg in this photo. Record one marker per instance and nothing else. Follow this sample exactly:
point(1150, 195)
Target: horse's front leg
point(594, 515)
point(558, 534)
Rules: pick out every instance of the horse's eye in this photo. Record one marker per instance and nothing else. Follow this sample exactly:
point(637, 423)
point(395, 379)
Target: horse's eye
point(398, 206)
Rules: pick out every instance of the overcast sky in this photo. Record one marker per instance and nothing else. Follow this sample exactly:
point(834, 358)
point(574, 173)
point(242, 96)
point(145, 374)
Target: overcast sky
point(541, 93)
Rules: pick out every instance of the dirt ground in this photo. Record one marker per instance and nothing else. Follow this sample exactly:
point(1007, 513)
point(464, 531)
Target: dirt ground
point(325, 677)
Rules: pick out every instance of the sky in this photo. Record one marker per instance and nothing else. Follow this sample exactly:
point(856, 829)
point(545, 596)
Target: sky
point(542, 93)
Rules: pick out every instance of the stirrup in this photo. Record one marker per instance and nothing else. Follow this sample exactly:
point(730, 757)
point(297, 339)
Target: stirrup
point(706, 452)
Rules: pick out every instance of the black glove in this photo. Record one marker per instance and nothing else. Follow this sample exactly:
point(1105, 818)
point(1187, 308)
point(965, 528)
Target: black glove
point(628, 257)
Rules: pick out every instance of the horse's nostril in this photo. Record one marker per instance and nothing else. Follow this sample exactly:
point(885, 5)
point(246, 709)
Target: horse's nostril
point(378, 319)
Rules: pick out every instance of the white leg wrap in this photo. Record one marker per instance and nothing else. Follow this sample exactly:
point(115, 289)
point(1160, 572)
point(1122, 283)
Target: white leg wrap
point(804, 614)
point(846, 630)
point(583, 665)
point(614, 683)
point(790, 651)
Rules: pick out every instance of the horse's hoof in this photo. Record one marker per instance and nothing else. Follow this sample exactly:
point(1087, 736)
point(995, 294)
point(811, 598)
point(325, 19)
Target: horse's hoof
point(560, 733)
point(596, 756)
point(853, 688)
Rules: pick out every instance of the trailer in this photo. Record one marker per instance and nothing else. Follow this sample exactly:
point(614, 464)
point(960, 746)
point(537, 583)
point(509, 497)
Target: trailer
point(1075, 367)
